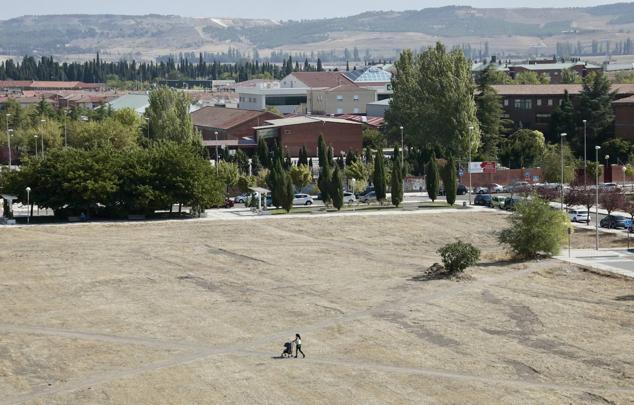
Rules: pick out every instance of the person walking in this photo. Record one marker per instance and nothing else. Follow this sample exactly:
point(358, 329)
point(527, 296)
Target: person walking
point(298, 345)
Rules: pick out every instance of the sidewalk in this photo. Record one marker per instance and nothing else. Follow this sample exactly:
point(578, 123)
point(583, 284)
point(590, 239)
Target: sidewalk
point(613, 261)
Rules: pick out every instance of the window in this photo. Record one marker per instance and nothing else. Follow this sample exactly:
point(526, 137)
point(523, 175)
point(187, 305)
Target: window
point(355, 110)
point(539, 102)
point(339, 110)
point(356, 98)
point(550, 102)
point(339, 98)
point(506, 102)
point(521, 104)
point(287, 132)
point(542, 118)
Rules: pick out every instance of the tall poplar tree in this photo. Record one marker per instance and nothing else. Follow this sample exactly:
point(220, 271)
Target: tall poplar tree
point(432, 178)
point(378, 177)
point(396, 181)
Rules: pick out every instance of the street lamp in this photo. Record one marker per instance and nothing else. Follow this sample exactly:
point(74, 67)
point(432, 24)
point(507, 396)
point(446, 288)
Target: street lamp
point(561, 148)
point(402, 145)
point(596, 202)
point(470, 131)
point(42, 137)
point(35, 136)
point(65, 134)
point(9, 135)
point(8, 138)
point(585, 153)
point(28, 198)
point(216, 134)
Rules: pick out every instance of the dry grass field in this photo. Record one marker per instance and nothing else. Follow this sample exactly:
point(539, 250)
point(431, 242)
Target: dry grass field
point(196, 312)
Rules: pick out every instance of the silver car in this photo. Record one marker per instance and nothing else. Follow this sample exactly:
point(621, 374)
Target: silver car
point(349, 198)
point(368, 198)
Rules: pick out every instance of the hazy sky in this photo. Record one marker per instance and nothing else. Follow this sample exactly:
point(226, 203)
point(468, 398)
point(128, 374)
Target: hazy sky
point(276, 9)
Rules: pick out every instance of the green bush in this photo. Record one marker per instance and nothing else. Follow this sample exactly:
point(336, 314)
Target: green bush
point(458, 256)
point(535, 228)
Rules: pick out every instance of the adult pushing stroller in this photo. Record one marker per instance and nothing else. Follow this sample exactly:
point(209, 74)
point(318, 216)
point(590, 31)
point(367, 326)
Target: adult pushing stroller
point(288, 350)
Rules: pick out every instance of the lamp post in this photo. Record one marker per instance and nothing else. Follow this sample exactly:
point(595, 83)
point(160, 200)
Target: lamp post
point(607, 159)
point(42, 137)
point(8, 138)
point(585, 154)
point(469, 146)
point(28, 198)
point(35, 136)
point(596, 202)
point(403, 157)
point(65, 134)
point(216, 134)
point(9, 135)
point(561, 149)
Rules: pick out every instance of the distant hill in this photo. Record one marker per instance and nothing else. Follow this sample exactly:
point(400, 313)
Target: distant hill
point(383, 33)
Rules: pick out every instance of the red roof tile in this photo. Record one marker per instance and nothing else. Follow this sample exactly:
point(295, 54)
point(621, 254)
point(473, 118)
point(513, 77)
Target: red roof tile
point(223, 118)
point(322, 79)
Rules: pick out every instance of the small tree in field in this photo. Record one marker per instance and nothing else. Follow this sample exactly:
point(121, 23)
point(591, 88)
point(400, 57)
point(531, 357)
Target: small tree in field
point(611, 200)
point(379, 176)
point(396, 179)
point(535, 228)
point(451, 183)
point(432, 178)
point(336, 189)
point(459, 256)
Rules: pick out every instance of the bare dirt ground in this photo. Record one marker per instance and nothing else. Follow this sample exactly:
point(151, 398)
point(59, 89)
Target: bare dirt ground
point(197, 312)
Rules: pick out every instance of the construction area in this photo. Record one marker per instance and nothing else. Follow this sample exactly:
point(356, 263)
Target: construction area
point(195, 312)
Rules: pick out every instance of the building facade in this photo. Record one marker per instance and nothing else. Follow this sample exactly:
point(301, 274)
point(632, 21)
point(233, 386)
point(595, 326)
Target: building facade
point(344, 99)
point(294, 133)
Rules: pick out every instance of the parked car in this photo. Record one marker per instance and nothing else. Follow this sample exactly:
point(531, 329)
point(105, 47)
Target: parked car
point(579, 215)
point(510, 203)
point(517, 186)
point(609, 187)
point(368, 198)
point(228, 203)
point(366, 191)
point(495, 188)
point(483, 199)
point(302, 199)
point(481, 190)
point(614, 222)
point(497, 202)
point(241, 199)
point(349, 198)
point(462, 189)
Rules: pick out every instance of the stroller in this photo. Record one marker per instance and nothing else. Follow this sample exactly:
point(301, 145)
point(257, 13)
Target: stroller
point(288, 350)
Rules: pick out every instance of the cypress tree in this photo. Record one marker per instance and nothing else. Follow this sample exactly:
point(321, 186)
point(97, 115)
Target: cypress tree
point(321, 150)
point(277, 184)
point(263, 154)
point(432, 178)
point(378, 177)
point(336, 189)
point(397, 178)
point(451, 183)
point(289, 193)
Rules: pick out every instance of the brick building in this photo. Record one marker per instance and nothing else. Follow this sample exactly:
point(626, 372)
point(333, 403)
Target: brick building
point(554, 70)
point(234, 126)
point(624, 118)
point(293, 133)
point(531, 106)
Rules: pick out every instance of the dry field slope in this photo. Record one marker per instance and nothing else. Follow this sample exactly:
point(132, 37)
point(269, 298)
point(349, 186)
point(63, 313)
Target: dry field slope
point(196, 312)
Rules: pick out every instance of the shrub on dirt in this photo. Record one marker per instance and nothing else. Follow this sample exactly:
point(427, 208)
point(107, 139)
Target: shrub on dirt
point(536, 228)
point(459, 256)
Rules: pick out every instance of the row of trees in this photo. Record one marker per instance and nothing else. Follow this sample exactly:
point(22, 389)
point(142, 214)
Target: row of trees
point(116, 182)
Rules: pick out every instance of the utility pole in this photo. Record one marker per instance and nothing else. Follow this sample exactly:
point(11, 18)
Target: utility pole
point(561, 149)
point(8, 138)
point(585, 153)
point(596, 202)
point(470, 134)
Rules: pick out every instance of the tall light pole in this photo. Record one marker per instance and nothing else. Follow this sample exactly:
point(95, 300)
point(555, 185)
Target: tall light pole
point(403, 157)
point(8, 138)
point(28, 210)
point(561, 149)
point(9, 135)
point(585, 153)
point(42, 137)
point(65, 134)
point(35, 136)
point(469, 167)
point(216, 134)
point(596, 202)
point(607, 159)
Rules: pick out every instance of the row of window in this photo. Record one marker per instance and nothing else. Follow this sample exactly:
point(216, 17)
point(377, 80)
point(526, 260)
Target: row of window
point(527, 104)
point(247, 99)
point(340, 98)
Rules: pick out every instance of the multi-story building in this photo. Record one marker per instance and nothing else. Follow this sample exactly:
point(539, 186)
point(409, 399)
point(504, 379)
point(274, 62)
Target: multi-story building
point(343, 99)
point(531, 106)
point(285, 100)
